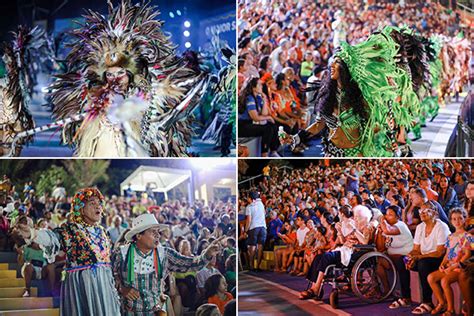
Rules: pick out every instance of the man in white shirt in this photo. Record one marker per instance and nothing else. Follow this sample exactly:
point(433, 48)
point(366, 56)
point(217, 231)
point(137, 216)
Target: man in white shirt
point(256, 228)
point(182, 230)
point(298, 253)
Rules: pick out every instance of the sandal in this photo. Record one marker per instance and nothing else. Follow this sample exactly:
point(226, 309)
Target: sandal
point(306, 295)
point(399, 303)
point(423, 308)
point(301, 274)
point(449, 313)
point(439, 309)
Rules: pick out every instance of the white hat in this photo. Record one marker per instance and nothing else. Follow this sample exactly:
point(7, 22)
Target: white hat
point(140, 224)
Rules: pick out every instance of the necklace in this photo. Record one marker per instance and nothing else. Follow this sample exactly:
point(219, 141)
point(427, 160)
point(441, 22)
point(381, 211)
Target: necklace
point(97, 242)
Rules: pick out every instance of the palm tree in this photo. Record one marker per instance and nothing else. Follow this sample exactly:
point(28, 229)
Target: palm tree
point(87, 172)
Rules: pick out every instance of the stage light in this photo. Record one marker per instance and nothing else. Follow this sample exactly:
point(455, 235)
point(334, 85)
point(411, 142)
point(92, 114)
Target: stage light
point(187, 24)
point(187, 45)
point(186, 33)
point(178, 12)
point(171, 15)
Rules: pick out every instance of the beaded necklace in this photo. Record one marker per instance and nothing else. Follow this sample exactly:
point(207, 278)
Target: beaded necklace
point(97, 241)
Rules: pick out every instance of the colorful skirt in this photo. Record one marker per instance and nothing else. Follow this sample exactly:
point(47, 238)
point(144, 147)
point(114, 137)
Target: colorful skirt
point(89, 291)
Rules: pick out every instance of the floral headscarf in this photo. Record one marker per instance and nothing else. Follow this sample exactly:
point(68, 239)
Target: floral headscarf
point(80, 199)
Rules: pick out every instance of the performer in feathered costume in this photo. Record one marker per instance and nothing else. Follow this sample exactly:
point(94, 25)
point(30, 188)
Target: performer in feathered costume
point(356, 98)
point(16, 93)
point(221, 130)
point(134, 94)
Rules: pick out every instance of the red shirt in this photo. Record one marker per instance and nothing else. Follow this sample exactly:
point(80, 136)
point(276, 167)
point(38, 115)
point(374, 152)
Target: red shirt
point(220, 303)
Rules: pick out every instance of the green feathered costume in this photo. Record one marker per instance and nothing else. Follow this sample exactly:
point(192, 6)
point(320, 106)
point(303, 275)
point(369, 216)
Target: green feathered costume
point(372, 65)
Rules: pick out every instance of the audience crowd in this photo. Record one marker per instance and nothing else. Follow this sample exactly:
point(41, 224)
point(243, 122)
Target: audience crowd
point(27, 220)
point(419, 212)
point(285, 46)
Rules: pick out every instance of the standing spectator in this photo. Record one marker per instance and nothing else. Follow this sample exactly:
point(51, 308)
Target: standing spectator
point(256, 228)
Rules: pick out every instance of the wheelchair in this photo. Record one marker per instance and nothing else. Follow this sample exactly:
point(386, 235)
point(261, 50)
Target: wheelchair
point(361, 277)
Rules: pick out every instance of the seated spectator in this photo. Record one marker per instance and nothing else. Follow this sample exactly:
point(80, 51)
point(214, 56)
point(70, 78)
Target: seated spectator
point(251, 121)
point(208, 310)
point(447, 196)
point(204, 274)
point(216, 291)
point(231, 274)
point(36, 267)
point(394, 237)
point(288, 237)
point(274, 227)
point(381, 202)
point(116, 231)
point(298, 253)
point(362, 233)
point(458, 251)
point(428, 249)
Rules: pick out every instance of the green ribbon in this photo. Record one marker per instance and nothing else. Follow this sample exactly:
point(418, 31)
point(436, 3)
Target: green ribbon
point(131, 264)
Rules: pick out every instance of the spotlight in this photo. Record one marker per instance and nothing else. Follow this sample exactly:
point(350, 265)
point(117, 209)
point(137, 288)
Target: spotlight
point(178, 12)
point(187, 45)
point(187, 24)
point(171, 15)
point(186, 33)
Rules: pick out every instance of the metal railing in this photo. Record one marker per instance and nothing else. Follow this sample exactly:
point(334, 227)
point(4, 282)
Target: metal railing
point(250, 181)
point(461, 143)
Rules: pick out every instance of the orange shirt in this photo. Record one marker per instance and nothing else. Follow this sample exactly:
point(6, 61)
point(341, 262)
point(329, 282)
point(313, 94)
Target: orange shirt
point(220, 303)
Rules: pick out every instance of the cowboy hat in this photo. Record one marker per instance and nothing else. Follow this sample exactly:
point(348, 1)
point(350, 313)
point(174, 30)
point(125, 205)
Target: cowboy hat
point(142, 223)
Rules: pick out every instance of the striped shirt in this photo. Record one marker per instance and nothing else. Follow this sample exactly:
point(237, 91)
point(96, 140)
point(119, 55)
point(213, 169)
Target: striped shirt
point(146, 282)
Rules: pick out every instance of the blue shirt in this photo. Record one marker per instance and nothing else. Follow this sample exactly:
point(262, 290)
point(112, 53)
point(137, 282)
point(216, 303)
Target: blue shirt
point(274, 227)
point(383, 207)
point(251, 105)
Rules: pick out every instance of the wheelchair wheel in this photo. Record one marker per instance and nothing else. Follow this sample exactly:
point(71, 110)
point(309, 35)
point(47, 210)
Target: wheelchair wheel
point(334, 298)
point(373, 277)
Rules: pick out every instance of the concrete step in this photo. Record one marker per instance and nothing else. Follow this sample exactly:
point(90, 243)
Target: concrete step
point(23, 303)
point(13, 282)
point(4, 266)
point(12, 292)
point(7, 274)
point(36, 312)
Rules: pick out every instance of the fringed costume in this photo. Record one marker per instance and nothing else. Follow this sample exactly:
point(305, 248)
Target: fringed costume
point(137, 94)
point(15, 94)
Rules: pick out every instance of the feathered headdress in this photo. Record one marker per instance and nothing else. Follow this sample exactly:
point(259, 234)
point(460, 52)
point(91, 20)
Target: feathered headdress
point(130, 37)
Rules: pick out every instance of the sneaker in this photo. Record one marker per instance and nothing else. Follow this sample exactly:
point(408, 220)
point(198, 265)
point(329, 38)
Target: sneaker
point(27, 293)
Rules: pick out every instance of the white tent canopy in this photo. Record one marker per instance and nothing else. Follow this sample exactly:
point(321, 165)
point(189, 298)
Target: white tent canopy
point(160, 179)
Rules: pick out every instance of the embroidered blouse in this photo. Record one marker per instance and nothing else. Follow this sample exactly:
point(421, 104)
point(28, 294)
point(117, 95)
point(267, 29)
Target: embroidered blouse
point(84, 245)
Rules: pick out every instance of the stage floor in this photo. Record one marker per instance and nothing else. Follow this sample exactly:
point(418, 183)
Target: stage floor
point(269, 293)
